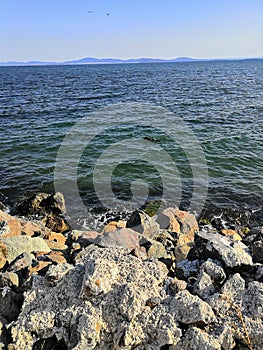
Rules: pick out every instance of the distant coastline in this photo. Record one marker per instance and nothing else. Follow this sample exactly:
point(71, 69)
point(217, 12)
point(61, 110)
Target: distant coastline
point(92, 60)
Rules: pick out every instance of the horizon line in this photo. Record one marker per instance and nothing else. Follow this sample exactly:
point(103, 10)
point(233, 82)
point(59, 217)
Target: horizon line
point(104, 60)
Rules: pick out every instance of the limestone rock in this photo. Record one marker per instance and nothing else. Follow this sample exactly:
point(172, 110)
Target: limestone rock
point(203, 286)
point(190, 309)
point(196, 338)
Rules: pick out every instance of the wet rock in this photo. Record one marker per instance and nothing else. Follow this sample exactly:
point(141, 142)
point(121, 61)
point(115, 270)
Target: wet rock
point(196, 338)
point(126, 238)
point(42, 204)
point(228, 252)
point(190, 309)
point(144, 224)
point(55, 223)
point(23, 244)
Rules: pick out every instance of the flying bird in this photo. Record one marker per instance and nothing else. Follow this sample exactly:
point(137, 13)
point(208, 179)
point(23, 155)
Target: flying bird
point(107, 14)
point(90, 11)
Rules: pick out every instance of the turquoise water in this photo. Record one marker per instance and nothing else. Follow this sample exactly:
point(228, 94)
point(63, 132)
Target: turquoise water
point(220, 102)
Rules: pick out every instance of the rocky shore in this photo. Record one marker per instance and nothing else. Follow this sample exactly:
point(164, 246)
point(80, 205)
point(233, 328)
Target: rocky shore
point(148, 282)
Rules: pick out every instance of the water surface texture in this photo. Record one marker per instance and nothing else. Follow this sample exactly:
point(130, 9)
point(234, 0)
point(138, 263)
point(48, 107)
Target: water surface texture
point(222, 103)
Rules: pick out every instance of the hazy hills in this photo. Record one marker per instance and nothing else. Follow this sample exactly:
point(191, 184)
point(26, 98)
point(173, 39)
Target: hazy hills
point(92, 60)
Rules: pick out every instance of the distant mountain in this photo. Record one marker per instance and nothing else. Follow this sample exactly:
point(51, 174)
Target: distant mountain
point(92, 60)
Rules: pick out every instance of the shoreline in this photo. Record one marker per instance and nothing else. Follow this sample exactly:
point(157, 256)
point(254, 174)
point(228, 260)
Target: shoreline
point(157, 281)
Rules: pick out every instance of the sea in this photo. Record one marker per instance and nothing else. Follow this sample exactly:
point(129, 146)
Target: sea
point(114, 137)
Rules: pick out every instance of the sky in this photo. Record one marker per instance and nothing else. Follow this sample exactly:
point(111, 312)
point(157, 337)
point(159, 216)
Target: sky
point(59, 30)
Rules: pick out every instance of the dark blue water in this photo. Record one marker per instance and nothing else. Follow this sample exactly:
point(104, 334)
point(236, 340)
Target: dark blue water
point(220, 102)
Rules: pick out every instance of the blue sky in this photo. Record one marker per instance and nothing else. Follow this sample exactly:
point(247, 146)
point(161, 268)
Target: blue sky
point(59, 30)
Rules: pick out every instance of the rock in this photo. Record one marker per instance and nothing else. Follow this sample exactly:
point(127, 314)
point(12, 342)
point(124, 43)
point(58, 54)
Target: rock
point(214, 269)
point(157, 251)
point(144, 224)
point(234, 286)
point(10, 303)
point(3, 251)
point(231, 234)
point(125, 237)
point(203, 286)
point(57, 257)
point(55, 223)
point(88, 237)
point(113, 225)
point(230, 253)
point(187, 268)
point(196, 338)
point(177, 285)
point(42, 204)
point(186, 230)
point(55, 237)
point(9, 279)
point(174, 225)
point(257, 251)
point(253, 299)
point(57, 246)
point(190, 309)
point(10, 226)
point(100, 303)
point(4, 338)
point(22, 261)
point(23, 244)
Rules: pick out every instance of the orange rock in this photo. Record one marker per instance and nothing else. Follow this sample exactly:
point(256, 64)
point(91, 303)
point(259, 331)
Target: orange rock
point(2, 261)
point(231, 234)
point(56, 245)
point(30, 228)
point(110, 227)
point(40, 266)
point(57, 257)
point(56, 237)
point(174, 224)
point(3, 251)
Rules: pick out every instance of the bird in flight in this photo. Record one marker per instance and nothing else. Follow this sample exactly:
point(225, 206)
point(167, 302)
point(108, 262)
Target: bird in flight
point(107, 14)
point(90, 11)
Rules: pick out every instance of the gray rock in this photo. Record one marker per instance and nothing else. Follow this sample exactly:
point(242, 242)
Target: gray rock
point(228, 252)
point(17, 245)
point(195, 339)
point(186, 268)
point(214, 270)
point(203, 286)
point(190, 309)
point(234, 286)
point(253, 299)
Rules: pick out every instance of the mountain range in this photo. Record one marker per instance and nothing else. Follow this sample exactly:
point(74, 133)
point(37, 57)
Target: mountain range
point(92, 60)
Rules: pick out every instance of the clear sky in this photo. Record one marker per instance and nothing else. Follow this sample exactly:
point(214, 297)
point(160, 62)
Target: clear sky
point(57, 30)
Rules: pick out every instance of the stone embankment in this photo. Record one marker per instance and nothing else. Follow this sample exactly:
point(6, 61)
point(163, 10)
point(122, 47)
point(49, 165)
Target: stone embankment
point(149, 283)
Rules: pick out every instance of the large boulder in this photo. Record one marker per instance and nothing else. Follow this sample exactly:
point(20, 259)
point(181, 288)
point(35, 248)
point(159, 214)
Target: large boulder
point(43, 204)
